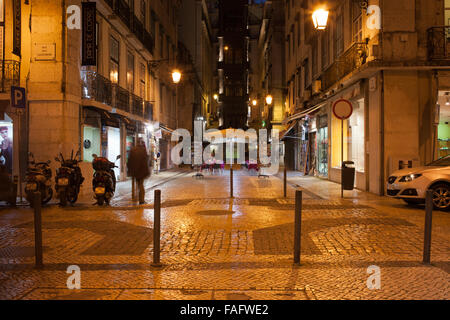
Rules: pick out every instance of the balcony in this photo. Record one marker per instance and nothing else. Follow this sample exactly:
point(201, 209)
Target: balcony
point(137, 105)
point(350, 60)
point(98, 88)
point(122, 10)
point(10, 74)
point(439, 43)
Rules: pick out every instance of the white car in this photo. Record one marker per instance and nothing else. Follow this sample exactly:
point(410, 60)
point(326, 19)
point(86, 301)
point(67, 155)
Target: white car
point(411, 184)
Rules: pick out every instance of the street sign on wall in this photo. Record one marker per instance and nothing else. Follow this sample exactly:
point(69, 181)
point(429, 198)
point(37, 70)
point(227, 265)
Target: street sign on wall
point(342, 109)
point(18, 97)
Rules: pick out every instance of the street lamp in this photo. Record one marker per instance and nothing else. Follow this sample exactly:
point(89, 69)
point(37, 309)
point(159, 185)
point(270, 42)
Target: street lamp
point(269, 99)
point(216, 96)
point(254, 102)
point(320, 18)
point(176, 76)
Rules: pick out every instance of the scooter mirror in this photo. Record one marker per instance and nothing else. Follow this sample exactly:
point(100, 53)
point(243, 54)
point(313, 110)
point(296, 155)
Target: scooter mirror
point(94, 156)
point(56, 159)
point(118, 157)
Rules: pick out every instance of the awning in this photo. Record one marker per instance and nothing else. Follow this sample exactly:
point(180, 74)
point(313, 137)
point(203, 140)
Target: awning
point(303, 113)
point(286, 132)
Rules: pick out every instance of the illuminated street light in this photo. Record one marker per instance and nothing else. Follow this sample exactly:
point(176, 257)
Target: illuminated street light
point(176, 76)
point(254, 102)
point(226, 48)
point(216, 96)
point(269, 99)
point(320, 18)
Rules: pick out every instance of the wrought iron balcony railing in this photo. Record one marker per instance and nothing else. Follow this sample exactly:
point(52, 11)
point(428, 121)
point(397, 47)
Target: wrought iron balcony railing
point(350, 60)
point(123, 11)
point(439, 43)
point(126, 15)
point(96, 87)
point(10, 74)
point(137, 105)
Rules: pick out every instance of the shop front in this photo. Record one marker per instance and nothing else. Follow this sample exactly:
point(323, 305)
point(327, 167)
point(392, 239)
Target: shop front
point(7, 143)
point(442, 143)
point(322, 145)
point(353, 130)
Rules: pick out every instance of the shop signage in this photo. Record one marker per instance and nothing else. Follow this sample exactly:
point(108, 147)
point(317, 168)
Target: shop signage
point(158, 134)
point(89, 56)
point(17, 27)
point(342, 109)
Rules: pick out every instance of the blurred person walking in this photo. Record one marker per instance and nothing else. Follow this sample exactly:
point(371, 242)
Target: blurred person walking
point(138, 167)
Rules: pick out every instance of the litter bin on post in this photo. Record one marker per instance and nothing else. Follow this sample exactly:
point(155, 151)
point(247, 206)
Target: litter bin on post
point(348, 175)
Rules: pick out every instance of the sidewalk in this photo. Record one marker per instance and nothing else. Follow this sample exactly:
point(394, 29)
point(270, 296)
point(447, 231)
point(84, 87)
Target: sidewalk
point(328, 190)
point(123, 195)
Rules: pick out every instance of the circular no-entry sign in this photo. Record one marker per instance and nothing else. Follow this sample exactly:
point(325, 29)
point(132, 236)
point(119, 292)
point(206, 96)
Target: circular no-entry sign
point(342, 109)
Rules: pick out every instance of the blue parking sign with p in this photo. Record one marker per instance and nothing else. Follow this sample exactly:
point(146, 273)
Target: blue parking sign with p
point(18, 97)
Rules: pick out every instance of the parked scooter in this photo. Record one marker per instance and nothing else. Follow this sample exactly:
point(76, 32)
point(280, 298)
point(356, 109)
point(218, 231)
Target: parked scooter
point(8, 186)
point(39, 177)
point(68, 179)
point(104, 182)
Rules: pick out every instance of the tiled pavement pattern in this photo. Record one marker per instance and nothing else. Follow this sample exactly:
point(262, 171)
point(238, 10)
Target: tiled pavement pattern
point(217, 248)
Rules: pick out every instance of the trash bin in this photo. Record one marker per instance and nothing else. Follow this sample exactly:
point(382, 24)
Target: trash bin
point(348, 175)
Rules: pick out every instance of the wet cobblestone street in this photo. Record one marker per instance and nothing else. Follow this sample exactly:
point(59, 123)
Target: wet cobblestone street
point(214, 247)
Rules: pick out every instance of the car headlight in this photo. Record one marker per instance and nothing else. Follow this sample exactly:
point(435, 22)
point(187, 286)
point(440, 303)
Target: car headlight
point(410, 177)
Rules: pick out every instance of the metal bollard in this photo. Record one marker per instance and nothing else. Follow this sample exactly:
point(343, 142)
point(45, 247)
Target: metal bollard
point(38, 231)
point(428, 227)
point(157, 230)
point(285, 182)
point(231, 181)
point(297, 226)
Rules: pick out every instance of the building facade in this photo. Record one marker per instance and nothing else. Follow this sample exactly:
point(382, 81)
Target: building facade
point(233, 64)
point(196, 59)
point(390, 60)
point(100, 107)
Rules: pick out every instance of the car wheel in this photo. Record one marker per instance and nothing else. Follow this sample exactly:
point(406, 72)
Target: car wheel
point(441, 196)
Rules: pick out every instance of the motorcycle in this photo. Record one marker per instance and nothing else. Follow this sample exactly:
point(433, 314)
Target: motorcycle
point(68, 179)
point(104, 182)
point(39, 177)
point(8, 186)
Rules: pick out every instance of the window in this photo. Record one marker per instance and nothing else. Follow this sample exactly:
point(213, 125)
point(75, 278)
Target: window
point(315, 57)
point(357, 23)
point(113, 60)
point(307, 78)
point(153, 23)
point(142, 81)
point(143, 10)
point(325, 49)
point(161, 41)
point(130, 72)
point(339, 35)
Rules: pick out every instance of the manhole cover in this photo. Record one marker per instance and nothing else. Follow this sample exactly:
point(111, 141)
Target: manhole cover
point(215, 212)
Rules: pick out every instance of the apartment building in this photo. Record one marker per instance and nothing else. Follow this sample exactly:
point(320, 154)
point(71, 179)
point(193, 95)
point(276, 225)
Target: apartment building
point(390, 60)
point(197, 63)
point(269, 76)
point(95, 80)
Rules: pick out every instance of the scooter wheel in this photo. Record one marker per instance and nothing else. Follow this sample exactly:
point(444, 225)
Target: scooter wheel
point(100, 201)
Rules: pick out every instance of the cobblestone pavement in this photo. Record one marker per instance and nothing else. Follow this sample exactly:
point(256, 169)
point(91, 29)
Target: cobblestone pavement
point(214, 247)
